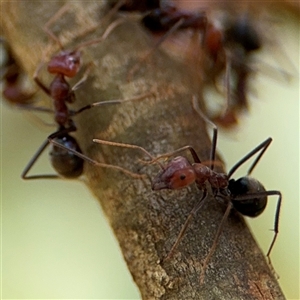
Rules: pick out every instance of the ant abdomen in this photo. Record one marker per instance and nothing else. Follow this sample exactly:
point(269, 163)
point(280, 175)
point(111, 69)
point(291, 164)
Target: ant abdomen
point(239, 189)
point(66, 163)
point(242, 32)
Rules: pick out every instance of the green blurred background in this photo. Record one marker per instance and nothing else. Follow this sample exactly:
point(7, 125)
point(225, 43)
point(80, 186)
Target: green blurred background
point(56, 242)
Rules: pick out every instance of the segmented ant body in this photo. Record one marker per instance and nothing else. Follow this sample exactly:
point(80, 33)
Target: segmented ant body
point(66, 155)
point(246, 194)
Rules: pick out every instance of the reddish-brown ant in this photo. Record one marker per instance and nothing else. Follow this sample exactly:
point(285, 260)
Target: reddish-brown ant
point(66, 155)
point(11, 76)
point(163, 20)
point(229, 47)
point(247, 195)
point(226, 47)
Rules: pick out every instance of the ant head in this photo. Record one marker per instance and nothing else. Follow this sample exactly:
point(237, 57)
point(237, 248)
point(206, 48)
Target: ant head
point(241, 191)
point(66, 63)
point(178, 173)
point(65, 162)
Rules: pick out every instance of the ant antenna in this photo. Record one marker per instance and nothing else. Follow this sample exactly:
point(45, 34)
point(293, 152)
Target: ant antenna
point(130, 146)
point(215, 131)
point(95, 163)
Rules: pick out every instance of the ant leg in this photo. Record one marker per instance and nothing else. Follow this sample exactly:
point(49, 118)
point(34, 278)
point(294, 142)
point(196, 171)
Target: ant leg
point(39, 152)
point(52, 20)
point(215, 131)
point(108, 102)
point(277, 213)
point(276, 223)
point(167, 155)
point(35, 108)
point(104, 36)
point(227, 116)
point(149, 53)
point(193, 212)
point(93, 162)
point(107, 16)
point(215, 243)
point(84, 77)
point(36, 74)
point(261, 147)
point(33, 161)
point(64, 9)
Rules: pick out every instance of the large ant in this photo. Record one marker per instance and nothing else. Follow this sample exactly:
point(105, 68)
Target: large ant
point(66, 155)
point(246, 194)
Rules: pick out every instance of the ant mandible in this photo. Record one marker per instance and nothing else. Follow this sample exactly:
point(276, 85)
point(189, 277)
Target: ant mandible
point(66, 155)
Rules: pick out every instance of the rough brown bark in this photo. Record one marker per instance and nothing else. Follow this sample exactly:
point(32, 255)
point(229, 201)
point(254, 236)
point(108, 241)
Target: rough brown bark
point(146, 223)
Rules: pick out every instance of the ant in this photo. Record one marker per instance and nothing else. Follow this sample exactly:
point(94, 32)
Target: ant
point(66, 155)
point(230, 48)
point(224, 48)
point(13, 91)
point(246, 194)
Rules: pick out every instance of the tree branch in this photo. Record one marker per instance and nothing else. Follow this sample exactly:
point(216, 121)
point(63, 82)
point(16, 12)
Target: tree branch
point(146, 223)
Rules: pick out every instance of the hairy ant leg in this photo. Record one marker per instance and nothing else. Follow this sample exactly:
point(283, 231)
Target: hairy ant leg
point(63, 145)
point(96, 163)
point(144, 58)
point(129, 146)
point(114, 101)
point(72, 163)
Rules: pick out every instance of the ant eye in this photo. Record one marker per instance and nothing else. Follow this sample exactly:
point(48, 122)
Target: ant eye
point(182, 177)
